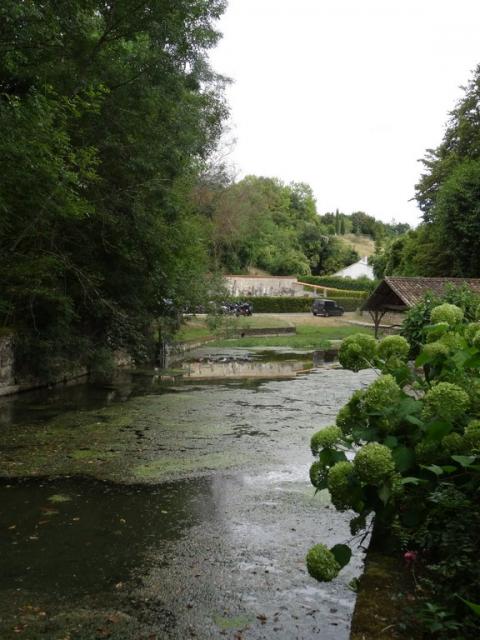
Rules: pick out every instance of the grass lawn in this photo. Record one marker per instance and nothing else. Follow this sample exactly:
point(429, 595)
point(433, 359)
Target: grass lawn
point(307, 337)
point(196, 328)
point(311, 332)
point(363, 244)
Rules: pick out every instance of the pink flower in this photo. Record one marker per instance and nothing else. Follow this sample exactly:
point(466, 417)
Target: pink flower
point(410, 557)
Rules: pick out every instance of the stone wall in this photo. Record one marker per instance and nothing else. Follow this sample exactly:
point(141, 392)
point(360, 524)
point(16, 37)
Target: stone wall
point(6, 361)
point(10, 385)
point(250, 286)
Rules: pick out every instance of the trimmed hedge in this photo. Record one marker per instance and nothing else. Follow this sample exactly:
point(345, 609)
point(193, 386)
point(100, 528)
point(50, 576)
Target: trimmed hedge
point(337, 282)
point(340, 293)
point(284, 304)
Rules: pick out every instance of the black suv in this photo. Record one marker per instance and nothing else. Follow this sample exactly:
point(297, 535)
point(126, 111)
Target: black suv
point(322, 307)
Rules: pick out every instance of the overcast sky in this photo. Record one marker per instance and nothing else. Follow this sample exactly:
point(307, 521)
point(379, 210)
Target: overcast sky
point(345, 95)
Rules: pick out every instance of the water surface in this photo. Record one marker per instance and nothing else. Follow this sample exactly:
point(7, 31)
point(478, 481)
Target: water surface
point(154, 509)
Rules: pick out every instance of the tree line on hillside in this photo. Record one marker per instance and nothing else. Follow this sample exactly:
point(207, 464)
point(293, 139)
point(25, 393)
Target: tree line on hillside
point(264, 223)
point(448, 195)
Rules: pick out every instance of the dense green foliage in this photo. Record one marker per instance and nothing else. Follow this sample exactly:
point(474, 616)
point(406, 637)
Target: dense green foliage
point(448, 195)
point(360, 223)
point(420, 315)
point(107, 112)
point(337, 282)
point(414, 435)
point(264, 223)
point(267, 304)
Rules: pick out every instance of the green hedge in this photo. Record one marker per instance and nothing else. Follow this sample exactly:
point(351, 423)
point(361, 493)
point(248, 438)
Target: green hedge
point(267, 304)
point(343, 293)
point(337, 282)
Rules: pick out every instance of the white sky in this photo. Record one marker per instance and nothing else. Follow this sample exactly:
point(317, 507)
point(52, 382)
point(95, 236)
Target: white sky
point(345, 95)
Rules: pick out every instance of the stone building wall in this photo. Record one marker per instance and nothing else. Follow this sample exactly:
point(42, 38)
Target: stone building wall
point(10, 385)
point(239, 286)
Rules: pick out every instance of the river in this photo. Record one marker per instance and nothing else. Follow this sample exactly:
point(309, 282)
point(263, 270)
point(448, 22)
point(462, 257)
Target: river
point(173, 506)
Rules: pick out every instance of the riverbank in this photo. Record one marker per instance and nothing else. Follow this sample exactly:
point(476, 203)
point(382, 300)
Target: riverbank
point(310, 332)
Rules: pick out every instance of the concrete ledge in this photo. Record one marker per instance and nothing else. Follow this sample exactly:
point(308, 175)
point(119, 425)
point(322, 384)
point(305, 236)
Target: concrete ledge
point(268, 331)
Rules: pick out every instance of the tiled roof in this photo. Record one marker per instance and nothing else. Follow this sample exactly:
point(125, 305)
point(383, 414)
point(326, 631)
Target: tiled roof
point(412, 290)
point(409, 291)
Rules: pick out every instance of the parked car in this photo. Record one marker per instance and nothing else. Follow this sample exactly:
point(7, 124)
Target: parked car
point(322, 307)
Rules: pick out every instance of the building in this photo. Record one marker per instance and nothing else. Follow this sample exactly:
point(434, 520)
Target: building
point(360, 269)
point(396, 295)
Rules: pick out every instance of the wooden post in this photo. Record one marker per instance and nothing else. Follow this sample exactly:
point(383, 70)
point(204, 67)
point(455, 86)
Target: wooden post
point(377, 315)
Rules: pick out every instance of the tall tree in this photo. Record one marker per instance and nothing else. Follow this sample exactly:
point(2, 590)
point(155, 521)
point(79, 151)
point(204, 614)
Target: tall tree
point(108, 111)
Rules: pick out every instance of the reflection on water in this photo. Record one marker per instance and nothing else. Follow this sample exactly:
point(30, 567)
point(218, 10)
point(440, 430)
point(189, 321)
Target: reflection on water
point(199, 366)
point(235, 369)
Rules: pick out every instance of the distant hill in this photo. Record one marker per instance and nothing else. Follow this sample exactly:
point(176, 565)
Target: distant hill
point(364, 245)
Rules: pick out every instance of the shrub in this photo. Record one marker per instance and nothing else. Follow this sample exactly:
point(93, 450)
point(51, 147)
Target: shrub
point(374, 463)
point(472, 435)
point(351, 415)
point(421, 480)
point(435, 349)
point(338, 482)
point(471, 331)
point(317, 473)
point(419, 317)
point(381, 394)
point(393, 347)
point(321, 563)
point(449, 313)
point(357, 351)
point(325, 438)
point(337, 282)
point(285, 304)
point(445, 400)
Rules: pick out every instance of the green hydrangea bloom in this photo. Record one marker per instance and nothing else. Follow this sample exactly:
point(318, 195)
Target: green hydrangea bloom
point(436, 331)
point(472, 388)
point(435, 349)
point(453, 443)
point(446, 312)
point(476, 340)
point(382, 393)
point(317, 473)
point(471, 331)
point(325, 438)
point(357, 351)
point(452, 340)
point(427, 451)
point(472, 435)
point(396, 485)
point(339, 484)
point(393, 347)
point(445, 400)
point(374, 463)
point(321, 563)
point(351, 415)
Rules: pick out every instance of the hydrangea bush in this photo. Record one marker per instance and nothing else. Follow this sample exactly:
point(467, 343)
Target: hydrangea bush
point(405, 444)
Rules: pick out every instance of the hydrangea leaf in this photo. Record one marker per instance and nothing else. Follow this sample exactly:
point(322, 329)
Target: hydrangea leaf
point(391, 442)
point(434, 468)
point(411, 480)
point(404, 458)
point(464, 461)
point(437, 429)
point(342, 553)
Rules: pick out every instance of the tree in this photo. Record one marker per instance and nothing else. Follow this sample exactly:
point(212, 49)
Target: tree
point(109, 111)
point(448, 190)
